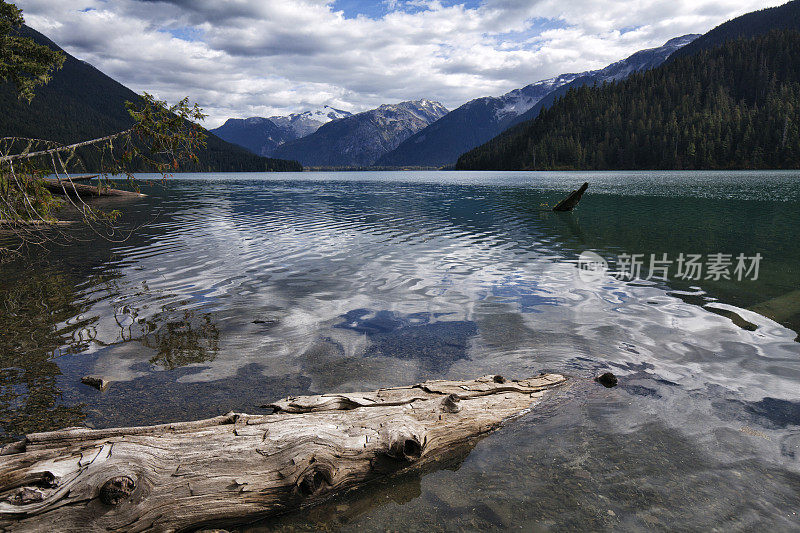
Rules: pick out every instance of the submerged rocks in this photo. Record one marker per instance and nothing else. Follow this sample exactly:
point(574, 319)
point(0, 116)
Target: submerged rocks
point(607, 380)
point(96, 382)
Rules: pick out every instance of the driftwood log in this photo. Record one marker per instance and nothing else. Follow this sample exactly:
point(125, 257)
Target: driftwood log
point(569, 203)
point(233, 467)
point(67, 186)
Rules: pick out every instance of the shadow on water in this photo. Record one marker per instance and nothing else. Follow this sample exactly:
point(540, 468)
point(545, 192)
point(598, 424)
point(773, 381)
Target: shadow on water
point(30, 395)
point(436, 345)
point(341, 510)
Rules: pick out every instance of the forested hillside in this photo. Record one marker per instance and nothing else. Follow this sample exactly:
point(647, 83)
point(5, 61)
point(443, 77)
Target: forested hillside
point(82, 103)
point(734, 106)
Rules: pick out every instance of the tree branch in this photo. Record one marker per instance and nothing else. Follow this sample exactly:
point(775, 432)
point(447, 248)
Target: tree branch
point(63, 148)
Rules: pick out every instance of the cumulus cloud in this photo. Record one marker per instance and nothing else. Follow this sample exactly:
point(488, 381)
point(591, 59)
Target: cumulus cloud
point(241, 58)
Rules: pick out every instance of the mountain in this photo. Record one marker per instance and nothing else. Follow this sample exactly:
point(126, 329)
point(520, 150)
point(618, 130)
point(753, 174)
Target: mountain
point(305, 123)
point(729, 107)
point(639, 62)
point(359, 140)
point(263, 135)
point(785, 17)
point(467, 126)
point(259, 135)
point(82, 103)
point(479, 120)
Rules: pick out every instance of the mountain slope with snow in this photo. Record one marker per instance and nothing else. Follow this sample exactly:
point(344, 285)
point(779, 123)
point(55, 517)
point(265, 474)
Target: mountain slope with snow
point(307, 122)
point(263, 136)
point(359, 140)
point(638, 62)
point(481, 119)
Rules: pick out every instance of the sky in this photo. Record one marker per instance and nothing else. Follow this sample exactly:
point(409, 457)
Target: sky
point(243, 58)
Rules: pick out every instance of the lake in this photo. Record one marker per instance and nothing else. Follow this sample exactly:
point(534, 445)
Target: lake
point(238, 289)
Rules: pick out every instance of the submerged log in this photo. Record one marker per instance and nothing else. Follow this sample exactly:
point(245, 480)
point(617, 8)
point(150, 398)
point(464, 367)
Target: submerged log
point(569, 203)
point(184, 475)
point(68, 187)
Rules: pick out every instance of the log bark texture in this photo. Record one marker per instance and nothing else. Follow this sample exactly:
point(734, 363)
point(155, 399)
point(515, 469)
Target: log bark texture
point(225, 469)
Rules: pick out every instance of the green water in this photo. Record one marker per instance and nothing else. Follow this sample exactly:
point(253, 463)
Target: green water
point(244, 288)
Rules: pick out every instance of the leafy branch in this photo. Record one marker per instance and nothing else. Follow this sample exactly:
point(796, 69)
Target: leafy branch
point(162, 138)
point(23, 62)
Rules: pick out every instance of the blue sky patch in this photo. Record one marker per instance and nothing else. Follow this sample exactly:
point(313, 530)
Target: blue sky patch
point(536, 27)
point(627, 29)
point(377, 9)
point(185, 33)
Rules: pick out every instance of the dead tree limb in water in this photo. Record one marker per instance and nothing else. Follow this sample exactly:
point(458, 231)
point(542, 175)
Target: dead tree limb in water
point(569, 203)
point(178, 476)
point(66, 186)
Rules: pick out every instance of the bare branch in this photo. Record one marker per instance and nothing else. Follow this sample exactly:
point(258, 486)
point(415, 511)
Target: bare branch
point(63, 148)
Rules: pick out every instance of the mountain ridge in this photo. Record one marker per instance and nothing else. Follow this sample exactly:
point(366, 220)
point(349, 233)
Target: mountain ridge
point(734, 106)
point(359, 140)
point(508, 145)
point(262, 136)
point(483, 118)
point(307, 122)
point(649, 59)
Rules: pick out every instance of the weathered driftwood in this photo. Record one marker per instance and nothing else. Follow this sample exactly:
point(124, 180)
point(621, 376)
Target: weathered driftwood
point(569, 203)
point(232, 467)
point(68, 187)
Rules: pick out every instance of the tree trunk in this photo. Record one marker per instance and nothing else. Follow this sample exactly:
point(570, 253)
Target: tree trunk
point(225, 469)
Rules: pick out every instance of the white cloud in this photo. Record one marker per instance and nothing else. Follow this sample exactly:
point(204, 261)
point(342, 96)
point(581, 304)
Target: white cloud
point(250, 57)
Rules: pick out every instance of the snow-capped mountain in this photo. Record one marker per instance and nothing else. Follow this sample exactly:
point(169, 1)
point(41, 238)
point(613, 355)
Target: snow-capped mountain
point(360, 139)
point(642, 60)
point(518, 101)
point(638, 62)
point(263, 135)
point(404, 133)
point(307, 122)
point(481, 119)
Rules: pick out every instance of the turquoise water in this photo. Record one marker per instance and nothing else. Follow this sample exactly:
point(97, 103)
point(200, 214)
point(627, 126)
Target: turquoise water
point(238, 289)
